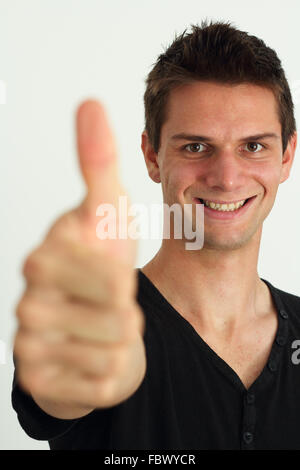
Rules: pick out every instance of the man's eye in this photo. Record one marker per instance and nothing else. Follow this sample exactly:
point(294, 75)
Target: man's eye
point(194, 148)
point(253, 146)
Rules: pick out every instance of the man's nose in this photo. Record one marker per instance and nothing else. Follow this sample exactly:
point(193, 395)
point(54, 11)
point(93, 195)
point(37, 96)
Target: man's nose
point(225, 172)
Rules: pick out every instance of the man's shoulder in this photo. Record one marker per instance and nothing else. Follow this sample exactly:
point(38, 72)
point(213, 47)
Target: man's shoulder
point(290, 301)
point(293, 298)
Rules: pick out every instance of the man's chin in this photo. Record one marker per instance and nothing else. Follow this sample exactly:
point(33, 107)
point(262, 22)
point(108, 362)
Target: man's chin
point(224, 244)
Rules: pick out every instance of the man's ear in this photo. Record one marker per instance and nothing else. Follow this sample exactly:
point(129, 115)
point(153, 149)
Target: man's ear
point(150, 158)
point(288, 158)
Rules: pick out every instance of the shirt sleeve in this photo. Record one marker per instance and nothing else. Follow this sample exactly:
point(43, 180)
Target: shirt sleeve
point(34, 421)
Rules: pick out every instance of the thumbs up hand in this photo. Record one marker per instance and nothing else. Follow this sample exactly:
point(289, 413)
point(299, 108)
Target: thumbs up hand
point(79, 343)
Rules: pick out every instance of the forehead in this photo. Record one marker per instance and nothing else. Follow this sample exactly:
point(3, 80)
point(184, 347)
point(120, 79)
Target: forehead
point(221, 110)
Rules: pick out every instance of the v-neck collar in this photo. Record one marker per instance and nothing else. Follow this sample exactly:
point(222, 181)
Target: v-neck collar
point(272, 364)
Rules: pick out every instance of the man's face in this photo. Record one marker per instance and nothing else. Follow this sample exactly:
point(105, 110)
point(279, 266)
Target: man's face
point(229, 166)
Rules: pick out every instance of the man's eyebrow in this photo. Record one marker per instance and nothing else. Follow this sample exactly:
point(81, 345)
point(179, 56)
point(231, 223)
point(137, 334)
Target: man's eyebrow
point(203, 138)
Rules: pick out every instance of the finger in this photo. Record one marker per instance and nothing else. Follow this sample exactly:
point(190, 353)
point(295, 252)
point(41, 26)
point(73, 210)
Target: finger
point(52, 383)
point(97, 155)
point(108, 322)
point(77, 271)
point(88, 324)
point(86, 357)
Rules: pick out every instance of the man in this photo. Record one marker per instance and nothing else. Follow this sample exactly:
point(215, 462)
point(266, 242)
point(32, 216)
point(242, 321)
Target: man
point(198, 353)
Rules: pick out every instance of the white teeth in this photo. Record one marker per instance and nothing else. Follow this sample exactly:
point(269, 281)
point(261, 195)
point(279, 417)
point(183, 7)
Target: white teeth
point(225, 207)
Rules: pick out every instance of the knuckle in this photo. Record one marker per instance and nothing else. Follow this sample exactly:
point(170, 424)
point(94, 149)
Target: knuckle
point(36, 267)
point(23, 309)
point(27, 312)
point(28, 349)
point(40, 378)
point(30, 379)
point(20, 349)
point(30, 264)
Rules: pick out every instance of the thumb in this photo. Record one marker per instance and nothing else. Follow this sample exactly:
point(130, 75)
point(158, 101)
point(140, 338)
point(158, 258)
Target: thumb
point(97, 154)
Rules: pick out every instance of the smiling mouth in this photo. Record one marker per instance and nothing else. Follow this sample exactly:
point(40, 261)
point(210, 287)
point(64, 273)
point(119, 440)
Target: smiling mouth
point(225, 207)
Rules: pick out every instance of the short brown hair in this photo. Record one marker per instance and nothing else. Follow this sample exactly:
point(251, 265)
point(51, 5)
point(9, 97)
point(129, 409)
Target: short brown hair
point(220, 53)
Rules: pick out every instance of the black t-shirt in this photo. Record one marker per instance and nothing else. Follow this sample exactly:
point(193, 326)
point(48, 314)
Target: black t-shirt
point(190, 399)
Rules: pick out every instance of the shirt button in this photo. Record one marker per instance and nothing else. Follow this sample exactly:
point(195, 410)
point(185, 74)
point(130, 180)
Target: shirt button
point(250, 398)
point(280, 340)
point(284, 314)
point(248, 437)
point(272, 365)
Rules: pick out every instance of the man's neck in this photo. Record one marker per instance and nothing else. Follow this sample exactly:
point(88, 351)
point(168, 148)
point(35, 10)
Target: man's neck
point(221, 290)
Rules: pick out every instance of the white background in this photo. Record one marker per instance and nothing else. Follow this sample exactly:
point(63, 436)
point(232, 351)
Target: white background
point(54, 54)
